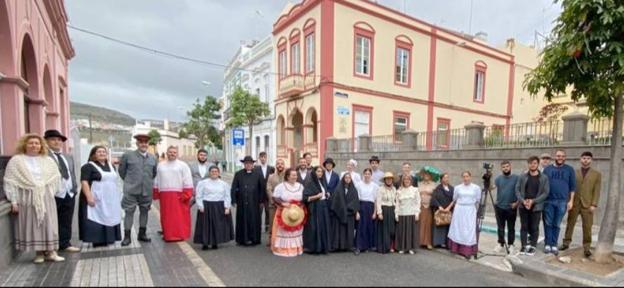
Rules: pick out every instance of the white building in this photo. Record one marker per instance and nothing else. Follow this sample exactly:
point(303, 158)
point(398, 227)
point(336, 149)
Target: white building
point(169, 136)
point(252, 69)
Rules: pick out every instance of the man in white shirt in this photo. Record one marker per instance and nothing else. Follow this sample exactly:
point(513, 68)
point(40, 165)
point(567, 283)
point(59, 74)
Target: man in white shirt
point(265, 170)
point(377, 173)
point(65, 200)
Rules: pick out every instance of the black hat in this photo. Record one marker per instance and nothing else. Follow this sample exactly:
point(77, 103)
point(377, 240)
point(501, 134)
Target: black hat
point(329, 160)
point(373, 158)
point(247, 159)
point(54, 133)
point(142, 137)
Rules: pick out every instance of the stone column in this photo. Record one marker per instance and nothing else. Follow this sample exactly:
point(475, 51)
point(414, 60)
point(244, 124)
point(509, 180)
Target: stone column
point(575, 129)
point(410, 140)
point(365, 143)
point(474, 136)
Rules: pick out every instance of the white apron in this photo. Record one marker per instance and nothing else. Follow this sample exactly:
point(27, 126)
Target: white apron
point(107, 210)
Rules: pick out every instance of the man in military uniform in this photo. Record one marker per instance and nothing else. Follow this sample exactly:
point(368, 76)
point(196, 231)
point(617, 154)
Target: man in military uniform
point(137, 169)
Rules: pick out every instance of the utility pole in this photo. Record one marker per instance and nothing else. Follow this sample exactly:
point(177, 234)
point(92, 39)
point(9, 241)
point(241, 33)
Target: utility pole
point(90, 130)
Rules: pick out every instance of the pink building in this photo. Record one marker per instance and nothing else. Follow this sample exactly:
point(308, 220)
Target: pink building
point(35, 50)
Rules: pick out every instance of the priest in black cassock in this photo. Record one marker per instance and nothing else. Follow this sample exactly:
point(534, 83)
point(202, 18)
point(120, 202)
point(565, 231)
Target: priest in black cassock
point(248, 192)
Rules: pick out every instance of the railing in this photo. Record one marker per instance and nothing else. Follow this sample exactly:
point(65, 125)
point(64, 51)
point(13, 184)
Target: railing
point(344, 145)
point(453, 139)
point(282, 151)
point(309, 81)
point(291, 85)
point(535, 134)
point(385, 143)
point(600, 132)
point(312, 148)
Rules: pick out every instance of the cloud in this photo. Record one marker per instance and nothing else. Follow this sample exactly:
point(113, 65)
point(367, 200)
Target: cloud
point(146, 85)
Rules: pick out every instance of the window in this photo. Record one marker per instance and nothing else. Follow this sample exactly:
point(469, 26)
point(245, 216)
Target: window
point(401, 123)
point(282, 64)
point(362, 55)
point(257, 145)
point(309, 53)
point(443, 133)
point(362, 120)
point(402, 66)
point(266, 143)
point(295, 60)
point(258, 94)
point(479, 80)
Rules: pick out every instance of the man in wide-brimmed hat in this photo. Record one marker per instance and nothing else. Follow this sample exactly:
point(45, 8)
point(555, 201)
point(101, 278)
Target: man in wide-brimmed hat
point(65, 200)
point(138, 170)
point(331, 178)
point(248, 192)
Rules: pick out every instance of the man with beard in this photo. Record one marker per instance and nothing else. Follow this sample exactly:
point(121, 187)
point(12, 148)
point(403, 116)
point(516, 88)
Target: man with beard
point(308, 157)
point(274, 179)
point(506, 207)
point(248, 192)
point(562, 180)
point(532, 189)
point(199, 169)
point(302, 171)
point(265, 170)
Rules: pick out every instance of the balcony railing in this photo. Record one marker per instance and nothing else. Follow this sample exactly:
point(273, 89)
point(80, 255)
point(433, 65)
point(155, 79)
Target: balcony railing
point(312, 148)
point(291, 85)
point(282, 151)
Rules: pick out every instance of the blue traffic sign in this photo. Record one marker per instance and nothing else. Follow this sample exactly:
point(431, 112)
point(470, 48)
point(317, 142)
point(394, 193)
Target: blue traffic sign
point(238, 137)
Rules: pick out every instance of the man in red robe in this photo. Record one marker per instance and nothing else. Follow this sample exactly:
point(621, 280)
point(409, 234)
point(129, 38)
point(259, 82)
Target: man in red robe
point(174, 188)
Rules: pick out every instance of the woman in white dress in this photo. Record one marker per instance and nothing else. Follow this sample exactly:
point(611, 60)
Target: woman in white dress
point(214, 220)
point(31, 180)
point(463, 232)
point(287, 241)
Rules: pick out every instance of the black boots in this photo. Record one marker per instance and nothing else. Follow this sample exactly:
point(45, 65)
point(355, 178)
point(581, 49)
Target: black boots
point(127, 238)
point(143, 236)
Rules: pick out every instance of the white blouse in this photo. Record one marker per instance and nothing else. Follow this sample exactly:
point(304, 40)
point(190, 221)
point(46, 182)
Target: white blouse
point(367, 192)
point(34, 167)
point(213, 191)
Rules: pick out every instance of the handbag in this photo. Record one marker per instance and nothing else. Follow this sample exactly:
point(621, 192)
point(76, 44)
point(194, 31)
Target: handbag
point(442, 218)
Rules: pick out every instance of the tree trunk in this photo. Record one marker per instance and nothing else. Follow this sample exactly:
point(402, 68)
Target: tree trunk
point(608, 228)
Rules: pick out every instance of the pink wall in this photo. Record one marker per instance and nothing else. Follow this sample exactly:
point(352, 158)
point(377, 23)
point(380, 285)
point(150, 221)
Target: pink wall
point(36, 31)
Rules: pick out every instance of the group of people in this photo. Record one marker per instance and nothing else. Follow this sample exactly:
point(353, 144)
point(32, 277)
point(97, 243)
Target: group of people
point(306, 209)
point(545, 192)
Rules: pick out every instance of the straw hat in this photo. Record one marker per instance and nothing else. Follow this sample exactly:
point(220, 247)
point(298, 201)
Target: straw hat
point(388, 175)
point(293, 216)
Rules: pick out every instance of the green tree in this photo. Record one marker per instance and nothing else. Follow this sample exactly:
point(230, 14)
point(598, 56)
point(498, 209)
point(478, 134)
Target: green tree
point(154, 140)
point(247, 109)
point(200, 123)
point(586, 55)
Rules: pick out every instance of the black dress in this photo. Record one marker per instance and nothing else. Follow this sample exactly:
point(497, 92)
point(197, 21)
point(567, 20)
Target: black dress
point(441, 198)
point(90, 231)
point(345, 203)
point(316, 237)
point(248, 192)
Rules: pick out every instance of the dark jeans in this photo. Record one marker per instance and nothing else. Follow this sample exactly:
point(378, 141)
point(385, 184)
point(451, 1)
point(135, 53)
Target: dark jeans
point(553, 214)
point(529, 225)
point(65, 213)
point(506, 216)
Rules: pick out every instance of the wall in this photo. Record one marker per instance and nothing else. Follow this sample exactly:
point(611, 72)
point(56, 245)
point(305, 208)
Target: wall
point(455, 162)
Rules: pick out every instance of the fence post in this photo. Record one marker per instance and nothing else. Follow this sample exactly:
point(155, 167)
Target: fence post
point(474, 135)
point(575, 129)
point(332, 145)
point(410, 140)
point(365, 143)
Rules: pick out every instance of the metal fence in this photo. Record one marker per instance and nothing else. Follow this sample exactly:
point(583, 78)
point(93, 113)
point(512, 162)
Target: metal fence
point(453, 139)
point(533, 134)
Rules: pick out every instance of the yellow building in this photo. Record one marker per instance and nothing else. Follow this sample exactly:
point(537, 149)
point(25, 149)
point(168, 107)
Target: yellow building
point(353, 67)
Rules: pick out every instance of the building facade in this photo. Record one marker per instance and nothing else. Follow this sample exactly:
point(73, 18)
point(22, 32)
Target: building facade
point(35, 50)
point(169, 137)
point(252, 69)
point(348, 68)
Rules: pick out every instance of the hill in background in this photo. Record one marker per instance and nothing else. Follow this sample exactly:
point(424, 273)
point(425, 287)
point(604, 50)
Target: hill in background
point(99, 114)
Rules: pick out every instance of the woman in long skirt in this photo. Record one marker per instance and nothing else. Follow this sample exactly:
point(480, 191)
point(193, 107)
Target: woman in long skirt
point(31, 180)
point(287, 241)
point(367, 193)
point(426, 188)
point(214, 218)
point(99, 212)
point(316, 231)
point(345, 204)
point(463, 231)
point(384, 207)
point(407, 213)
point(442, 199)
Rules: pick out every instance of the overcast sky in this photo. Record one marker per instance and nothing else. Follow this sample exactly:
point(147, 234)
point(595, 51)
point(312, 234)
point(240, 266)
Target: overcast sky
point(145, 85)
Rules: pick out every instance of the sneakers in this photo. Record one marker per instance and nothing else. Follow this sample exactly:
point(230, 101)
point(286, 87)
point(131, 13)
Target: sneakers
point(555, 251)
point(53, 257)
point(512, 250)
point(401, 252)
point(523, 250)
point(531, 251)
point(587, 253)
point(499, 248)
point(411, 252)
point(547, 249)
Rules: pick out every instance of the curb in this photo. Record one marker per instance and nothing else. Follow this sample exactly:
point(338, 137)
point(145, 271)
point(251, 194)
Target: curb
point(542, 273)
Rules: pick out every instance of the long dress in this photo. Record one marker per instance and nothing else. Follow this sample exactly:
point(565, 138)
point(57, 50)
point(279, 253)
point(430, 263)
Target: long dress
point(345, 204)
point(287, 242)
point(463, 231)
point(102, 180)
point(316, 238)
point(385, 228)
point(365, 234)
point(407, 210)
point(426, 215)
point(248, 192)
point(31, 182)
point(174, 188)
point(213, 226)
point(442, 197)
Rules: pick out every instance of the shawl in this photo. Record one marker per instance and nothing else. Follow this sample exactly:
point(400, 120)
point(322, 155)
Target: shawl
point(18, 181)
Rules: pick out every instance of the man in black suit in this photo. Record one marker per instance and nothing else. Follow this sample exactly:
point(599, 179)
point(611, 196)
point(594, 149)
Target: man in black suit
point(65, 197)
point(265, 170)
